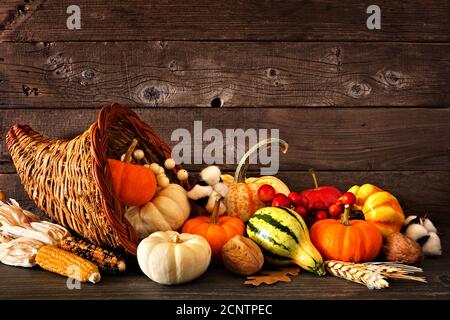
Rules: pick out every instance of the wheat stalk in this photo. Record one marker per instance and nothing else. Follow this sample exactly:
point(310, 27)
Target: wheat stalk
point(371, 279)
point(374, 275)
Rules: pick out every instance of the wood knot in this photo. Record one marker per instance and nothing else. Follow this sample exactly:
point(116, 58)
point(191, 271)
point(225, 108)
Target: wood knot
point(88, 74)
point(30, 91)
point(358, 90)
point(172, 65)
point(163, 44)
point(151, 93)
point(390, 78)
point(394, 78)
point(271, 72)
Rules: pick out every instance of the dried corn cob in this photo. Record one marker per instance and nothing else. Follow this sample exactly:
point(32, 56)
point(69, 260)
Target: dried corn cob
point(67, 264)
point(104, 259)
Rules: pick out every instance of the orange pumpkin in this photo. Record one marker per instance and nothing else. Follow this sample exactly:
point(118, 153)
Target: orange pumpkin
point(379, 207)
point(134, 185)
point(242, 199)
point(216, 230)
point(353, 241)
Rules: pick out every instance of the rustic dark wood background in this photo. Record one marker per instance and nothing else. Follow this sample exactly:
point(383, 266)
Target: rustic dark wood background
point(357, 105)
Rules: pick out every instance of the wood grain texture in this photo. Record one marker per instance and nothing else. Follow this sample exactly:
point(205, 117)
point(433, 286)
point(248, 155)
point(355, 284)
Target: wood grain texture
point(240, 74)
point(344, 139)
point(217, 283)
point(419, 192)
point(293, 20)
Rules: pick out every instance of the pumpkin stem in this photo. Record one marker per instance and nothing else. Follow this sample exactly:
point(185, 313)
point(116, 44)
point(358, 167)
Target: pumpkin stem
point(241, 170)
point(314, 176)
point(130, 151)
point(346, 217)
point(176, 238)
point(215, 212)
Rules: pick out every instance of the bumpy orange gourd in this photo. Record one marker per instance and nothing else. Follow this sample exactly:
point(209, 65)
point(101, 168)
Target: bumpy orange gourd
point(379, 207)
point(216, 230)
point(353, 241)
point(242, 199)
point(134, 185)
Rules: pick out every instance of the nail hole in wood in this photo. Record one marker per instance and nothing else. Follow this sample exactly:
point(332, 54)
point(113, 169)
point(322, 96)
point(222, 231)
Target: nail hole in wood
point(216, 103)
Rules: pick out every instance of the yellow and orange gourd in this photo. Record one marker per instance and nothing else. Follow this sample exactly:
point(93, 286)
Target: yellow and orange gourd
point(242, 199)
point(379, 207)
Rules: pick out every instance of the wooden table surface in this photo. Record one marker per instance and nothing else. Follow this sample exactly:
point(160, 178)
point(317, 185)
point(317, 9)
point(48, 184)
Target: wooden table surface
point(358, 105)
point(217, 283)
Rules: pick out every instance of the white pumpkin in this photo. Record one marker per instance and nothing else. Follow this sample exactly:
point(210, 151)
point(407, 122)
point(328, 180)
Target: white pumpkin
point(168, 257)
point(168, 210)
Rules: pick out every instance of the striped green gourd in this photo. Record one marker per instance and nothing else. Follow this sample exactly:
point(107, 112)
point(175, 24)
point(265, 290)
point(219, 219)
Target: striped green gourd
point(284, 238)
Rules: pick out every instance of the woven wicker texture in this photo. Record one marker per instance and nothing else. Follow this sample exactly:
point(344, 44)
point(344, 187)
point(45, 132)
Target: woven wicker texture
point(70, 180)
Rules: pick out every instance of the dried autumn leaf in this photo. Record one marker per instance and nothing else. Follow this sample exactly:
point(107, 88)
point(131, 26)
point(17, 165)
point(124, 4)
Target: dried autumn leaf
point(271, 277)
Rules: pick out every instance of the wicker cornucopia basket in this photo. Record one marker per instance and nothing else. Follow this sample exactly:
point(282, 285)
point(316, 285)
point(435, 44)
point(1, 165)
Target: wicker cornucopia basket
point(70, 180)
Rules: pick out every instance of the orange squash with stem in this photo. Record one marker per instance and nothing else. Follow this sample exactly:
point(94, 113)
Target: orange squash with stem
point(134, 185)
point(216, 230)
point(242, 199)
point(353, 241)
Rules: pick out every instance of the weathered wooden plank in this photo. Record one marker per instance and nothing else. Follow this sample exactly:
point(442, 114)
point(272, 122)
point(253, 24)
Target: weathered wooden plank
point(345, 139)
point(217, 283)
point(292, 20)
point(419, 192)
point(254, 74)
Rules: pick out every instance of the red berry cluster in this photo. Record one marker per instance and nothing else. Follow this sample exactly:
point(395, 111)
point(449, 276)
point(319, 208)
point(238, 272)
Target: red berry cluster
point(300, 203)
point(294, 200)
point(337, 209)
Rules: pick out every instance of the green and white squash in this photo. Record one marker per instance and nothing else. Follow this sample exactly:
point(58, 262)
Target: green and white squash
point(284, 238)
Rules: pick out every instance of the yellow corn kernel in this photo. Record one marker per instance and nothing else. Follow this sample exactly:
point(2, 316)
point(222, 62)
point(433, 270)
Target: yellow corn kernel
point(67, 264)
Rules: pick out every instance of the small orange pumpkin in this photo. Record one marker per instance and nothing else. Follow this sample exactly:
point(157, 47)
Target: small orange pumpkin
point(216, 230)
point(134, 185)
point(353, 241)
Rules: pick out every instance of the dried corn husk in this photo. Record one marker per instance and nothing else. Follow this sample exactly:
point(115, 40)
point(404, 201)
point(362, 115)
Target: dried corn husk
point(373, 274)
point(22, 234)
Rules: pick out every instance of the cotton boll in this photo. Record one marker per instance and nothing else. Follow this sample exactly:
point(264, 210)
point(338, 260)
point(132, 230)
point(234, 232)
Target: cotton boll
point(211, 175)
point(409, 219)
point(415, 231)
point(433, 245)
point(428, 225)
point(198, 192)
point(221, 188)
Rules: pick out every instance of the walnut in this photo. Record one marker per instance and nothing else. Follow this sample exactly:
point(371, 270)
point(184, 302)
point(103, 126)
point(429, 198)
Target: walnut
point(400, 248)
point(242, 256)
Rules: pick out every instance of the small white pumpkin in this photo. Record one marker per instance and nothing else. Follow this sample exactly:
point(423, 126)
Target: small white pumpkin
point(168, 210)
point(168, 257)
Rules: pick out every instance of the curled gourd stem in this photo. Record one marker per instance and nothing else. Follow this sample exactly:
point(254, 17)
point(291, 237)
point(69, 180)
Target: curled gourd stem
point(345, 218)
point(314, 176)
point(241, 169)
point(130, 151)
